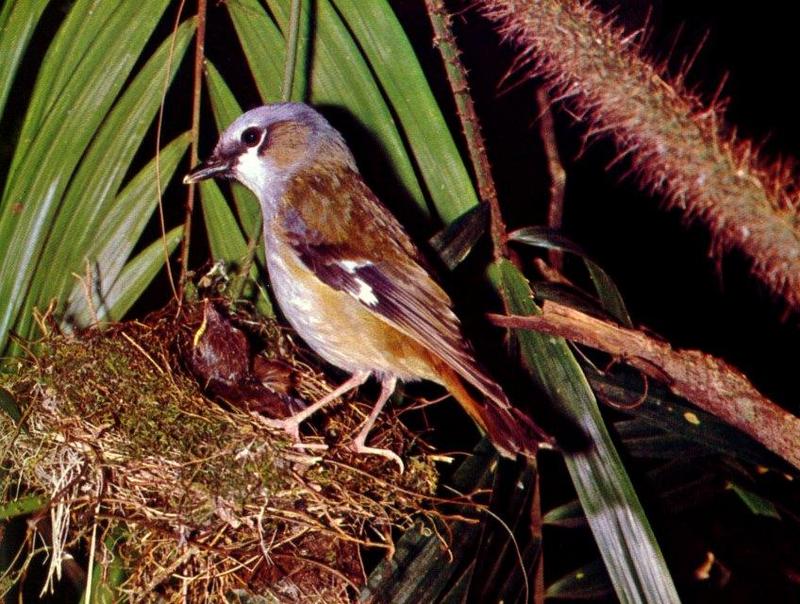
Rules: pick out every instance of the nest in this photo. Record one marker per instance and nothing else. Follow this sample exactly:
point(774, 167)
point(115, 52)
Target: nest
point(198, 499)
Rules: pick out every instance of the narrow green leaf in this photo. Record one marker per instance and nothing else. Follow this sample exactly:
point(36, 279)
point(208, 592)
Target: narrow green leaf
point(132, 209)
point(108, 576)
point(91, 194)
point(63, 55)
point(454, 242)
point(223, 104)
point(569, 295)
point(654, 404)
point(394, 62)
point(27, 504)
point(341, 76)
point(757, 504)
point(392, 59)
point(618, 522)
point(224, 235)
point(137, 275)
point(642, 441)
point(120, 232)
point(607, 290)
point(567, 515)
point(263, 46)
point(298, 30)
point(499, 569)
point(301, 86)
point(18, 18)
point(420, 569)
point(458, 591)
point(43, 172)
point(8, 404)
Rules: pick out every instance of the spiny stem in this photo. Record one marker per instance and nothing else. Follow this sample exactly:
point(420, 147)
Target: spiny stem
point(706, 381)
point(159, 124)
point(456, 74)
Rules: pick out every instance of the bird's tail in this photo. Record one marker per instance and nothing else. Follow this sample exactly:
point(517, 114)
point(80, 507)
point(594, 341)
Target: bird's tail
point(510, 430)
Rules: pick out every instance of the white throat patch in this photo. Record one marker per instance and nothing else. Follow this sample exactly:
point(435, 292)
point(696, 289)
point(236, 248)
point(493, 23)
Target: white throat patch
point(253, 171)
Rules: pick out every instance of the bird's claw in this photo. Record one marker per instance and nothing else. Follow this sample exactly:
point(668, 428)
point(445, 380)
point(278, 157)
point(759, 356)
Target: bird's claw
point(360, 447)
point(292, 428)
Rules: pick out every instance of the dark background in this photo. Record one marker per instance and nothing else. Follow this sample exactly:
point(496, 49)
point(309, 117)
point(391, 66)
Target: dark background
point(661, 265)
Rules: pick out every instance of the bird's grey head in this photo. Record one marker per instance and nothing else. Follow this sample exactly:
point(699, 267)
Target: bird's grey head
point(266, 146)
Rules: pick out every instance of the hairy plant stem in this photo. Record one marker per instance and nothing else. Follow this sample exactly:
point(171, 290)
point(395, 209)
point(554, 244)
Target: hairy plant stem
point(558, 176)
point(677, 145)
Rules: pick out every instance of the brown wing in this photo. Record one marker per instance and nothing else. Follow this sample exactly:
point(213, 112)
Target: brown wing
point(407, 298)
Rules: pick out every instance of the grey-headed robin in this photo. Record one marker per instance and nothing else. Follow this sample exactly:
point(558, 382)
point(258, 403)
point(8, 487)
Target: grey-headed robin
point(347, 276)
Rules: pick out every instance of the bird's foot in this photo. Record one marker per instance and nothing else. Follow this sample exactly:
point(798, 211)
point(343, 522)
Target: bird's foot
point(292, 427)
point(288, 425)
point(359, 447)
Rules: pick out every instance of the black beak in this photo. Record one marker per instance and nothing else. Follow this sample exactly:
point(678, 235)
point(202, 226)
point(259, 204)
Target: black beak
point(213, 166)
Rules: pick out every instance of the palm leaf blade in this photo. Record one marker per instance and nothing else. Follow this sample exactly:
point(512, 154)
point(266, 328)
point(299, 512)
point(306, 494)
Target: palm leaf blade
point(620, 527)
point(17, 22)
point(392, 57)
point(45, 167)
point(119, 233)
point(92, 192)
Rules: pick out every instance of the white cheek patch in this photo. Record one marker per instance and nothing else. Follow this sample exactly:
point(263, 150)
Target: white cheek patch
point(252, 170)
point(365, 293)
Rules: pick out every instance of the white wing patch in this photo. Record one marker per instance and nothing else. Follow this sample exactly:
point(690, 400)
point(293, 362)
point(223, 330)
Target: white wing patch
point(365, 293)
point(351, 265)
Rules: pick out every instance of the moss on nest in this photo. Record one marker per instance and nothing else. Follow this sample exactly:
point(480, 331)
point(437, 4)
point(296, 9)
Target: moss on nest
point(195, 496)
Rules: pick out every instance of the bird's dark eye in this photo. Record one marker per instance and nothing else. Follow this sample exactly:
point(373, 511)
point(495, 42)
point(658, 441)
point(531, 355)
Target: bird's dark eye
point(251, 137)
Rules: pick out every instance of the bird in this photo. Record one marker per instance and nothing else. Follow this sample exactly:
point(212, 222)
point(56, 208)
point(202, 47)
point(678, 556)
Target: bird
point(348, 278)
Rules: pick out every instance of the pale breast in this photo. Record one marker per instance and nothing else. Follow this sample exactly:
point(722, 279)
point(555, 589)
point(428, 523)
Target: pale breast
point(337, 326)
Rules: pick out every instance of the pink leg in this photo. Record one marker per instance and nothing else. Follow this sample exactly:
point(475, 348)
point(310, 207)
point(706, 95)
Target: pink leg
point(387, 387)
point(292, 424)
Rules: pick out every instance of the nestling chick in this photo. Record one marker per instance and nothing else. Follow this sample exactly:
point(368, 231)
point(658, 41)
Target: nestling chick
point(346, 275)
